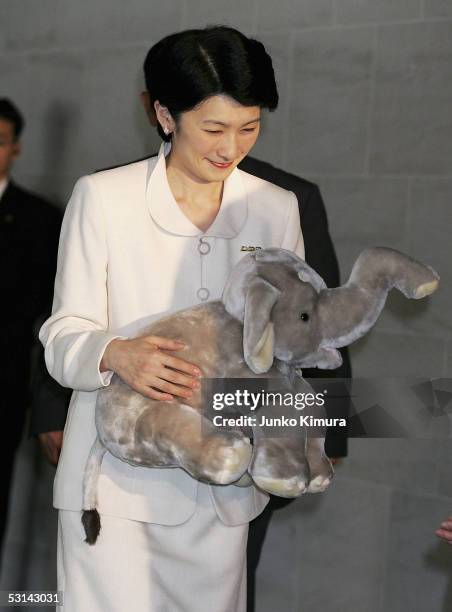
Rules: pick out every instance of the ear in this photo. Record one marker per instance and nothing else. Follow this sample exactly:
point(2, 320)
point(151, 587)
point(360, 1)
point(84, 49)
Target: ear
point(164, 117)
point(258, 335)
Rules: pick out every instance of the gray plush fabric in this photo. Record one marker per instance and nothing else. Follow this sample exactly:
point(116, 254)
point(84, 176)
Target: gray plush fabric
point(255, 331)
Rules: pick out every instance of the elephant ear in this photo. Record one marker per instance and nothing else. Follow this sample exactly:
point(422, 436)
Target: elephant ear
point(258, 334)
point(305, 273)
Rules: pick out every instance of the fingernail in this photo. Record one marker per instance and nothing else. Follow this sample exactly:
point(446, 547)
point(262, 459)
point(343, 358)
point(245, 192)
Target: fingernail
point(195, 384)
point(196, 371)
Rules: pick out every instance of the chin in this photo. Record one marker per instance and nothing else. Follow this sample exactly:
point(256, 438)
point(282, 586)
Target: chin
point(214, 174)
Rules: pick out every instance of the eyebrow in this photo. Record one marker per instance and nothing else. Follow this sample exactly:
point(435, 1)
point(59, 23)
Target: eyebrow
point(225, 124)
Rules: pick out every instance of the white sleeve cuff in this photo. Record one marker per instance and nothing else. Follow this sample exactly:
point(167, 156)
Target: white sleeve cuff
point(105, 377)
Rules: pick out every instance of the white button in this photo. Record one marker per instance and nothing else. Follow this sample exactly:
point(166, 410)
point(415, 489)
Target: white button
point(203, 294)
point(203, 247)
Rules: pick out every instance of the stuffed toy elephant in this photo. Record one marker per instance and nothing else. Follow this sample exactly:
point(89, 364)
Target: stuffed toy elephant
point(275, 317)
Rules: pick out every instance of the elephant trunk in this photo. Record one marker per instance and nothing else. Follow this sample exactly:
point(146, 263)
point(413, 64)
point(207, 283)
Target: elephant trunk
point(348, 312)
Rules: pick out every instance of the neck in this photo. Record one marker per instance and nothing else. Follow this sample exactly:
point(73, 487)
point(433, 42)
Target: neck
point(188, 188)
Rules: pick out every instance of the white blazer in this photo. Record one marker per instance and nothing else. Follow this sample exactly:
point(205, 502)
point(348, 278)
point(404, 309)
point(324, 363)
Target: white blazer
point(128, 255)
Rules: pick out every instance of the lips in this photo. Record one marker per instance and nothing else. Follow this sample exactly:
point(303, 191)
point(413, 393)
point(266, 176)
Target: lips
point(220, 165)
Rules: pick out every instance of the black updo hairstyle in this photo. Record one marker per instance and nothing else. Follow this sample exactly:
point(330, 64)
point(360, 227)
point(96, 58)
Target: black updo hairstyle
point(185, 68)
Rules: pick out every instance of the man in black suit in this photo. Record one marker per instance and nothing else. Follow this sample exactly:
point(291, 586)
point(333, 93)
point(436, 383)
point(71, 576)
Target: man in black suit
point(49, 401)
point(29, 231)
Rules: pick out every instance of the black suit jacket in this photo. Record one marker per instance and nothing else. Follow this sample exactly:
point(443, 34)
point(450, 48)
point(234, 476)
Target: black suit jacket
point(29, 232)
point(50, 400)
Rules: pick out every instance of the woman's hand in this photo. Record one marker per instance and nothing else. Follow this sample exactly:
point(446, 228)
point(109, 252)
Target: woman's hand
point(445, 530)
point(51, 443)
point(141, 363)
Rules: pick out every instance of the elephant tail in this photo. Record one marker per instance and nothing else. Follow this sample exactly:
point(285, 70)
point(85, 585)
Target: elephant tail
point(90, 515)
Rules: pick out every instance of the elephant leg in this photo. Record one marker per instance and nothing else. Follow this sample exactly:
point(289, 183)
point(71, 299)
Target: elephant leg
point(320, 466)
point(176, 435)
point(279, 465)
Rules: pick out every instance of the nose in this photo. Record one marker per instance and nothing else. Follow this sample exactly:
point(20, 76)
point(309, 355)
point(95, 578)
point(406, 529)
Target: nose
point(229, 148)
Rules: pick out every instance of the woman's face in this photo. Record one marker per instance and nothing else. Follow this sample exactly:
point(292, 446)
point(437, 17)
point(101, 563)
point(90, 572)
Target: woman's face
point(211, 139)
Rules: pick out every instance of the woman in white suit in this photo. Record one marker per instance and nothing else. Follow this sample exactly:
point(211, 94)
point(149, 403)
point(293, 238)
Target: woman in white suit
point(137, 242)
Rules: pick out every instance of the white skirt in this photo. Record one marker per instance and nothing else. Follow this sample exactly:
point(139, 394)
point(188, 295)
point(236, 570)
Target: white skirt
point(198, 566)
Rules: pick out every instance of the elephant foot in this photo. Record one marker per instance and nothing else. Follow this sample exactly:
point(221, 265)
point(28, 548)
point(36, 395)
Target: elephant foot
point(322, 471)
point(225, 460)
point(279, 467)
point(282, 487)
point(318, 484)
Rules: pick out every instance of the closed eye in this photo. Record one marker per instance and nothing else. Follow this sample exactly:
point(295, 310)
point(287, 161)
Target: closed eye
point(245, 130)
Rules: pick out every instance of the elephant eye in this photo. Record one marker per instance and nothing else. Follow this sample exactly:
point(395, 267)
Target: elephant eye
point(304, 316)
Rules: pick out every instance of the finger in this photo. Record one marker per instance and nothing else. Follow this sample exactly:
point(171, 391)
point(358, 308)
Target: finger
point(165, 343)
point(168, 387)
point(44, 446)
point(447, 525)
point(154, 394)
point(50, 450)
point(180, 364)
point(180, 379)
point(50, 455)
point(445, 535)
point(57, 437)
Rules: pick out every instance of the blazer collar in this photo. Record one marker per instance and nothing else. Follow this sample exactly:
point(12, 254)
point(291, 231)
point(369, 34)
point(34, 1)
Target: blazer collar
point(166, 213)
